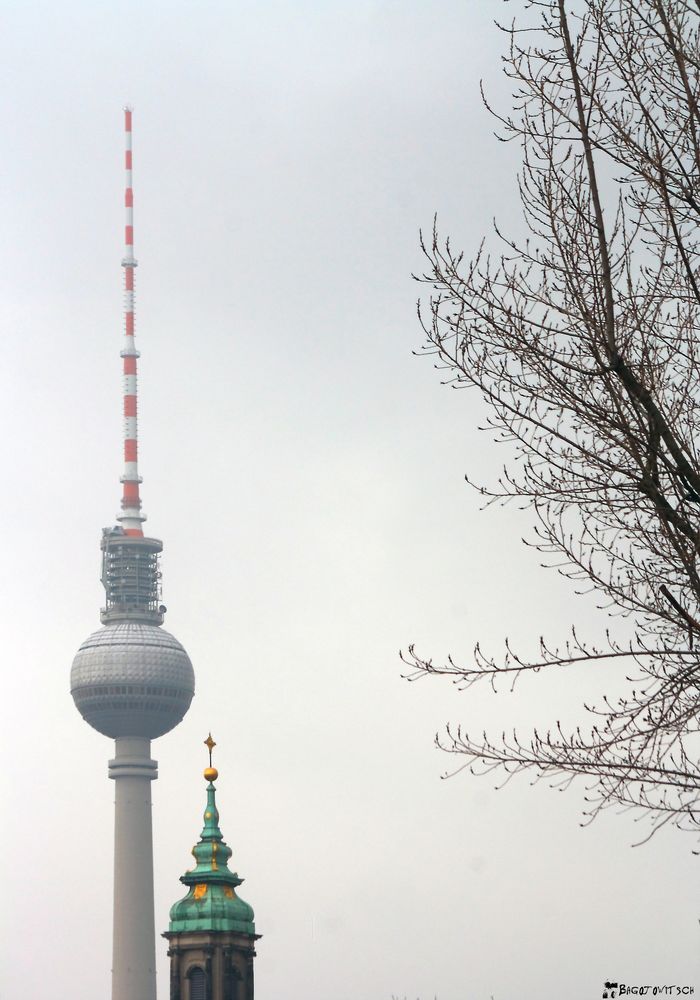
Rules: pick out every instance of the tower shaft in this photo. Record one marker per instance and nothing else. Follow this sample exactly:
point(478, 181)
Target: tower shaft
point(134, 949)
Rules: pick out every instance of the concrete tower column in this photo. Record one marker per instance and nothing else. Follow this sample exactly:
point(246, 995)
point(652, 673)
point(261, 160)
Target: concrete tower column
point(134, 947)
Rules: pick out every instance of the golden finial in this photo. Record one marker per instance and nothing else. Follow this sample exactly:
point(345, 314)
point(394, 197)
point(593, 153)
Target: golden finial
point(210, 773)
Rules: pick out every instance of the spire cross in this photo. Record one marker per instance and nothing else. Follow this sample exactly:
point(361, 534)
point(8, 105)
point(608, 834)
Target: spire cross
point(209, 742)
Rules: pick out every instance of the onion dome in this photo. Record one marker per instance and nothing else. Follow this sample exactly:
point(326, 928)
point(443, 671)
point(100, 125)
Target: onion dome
point(211, 903)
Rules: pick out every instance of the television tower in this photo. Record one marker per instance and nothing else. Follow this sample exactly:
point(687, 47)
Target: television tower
point(131, 680)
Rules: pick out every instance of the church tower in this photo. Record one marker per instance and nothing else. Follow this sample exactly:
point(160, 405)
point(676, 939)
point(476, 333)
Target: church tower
point(211, 935)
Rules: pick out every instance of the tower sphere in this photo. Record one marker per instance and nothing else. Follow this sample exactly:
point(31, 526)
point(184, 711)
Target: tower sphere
point(132, 679)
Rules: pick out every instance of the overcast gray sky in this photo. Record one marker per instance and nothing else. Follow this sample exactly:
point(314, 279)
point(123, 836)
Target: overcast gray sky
point(305, 472)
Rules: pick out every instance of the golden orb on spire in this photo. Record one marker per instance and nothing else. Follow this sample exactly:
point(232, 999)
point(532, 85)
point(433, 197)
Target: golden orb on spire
point(210, 773)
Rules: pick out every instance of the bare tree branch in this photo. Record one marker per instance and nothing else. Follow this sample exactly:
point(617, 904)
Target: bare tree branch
point(583, 341)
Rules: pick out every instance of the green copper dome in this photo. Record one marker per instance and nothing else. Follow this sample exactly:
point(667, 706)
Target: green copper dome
point(211, 903)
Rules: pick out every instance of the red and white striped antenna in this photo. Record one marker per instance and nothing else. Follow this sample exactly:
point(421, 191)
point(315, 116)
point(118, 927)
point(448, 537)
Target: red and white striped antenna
point(130, 517)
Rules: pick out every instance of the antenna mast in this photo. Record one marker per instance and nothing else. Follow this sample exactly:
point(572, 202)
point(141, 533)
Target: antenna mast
point(131, 517)
point(130, 572)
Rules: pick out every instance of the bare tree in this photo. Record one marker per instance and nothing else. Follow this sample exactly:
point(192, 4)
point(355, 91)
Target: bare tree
point(583, 340)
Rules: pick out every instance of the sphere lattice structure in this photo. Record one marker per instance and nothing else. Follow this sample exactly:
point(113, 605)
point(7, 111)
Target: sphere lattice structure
point(132, 679)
